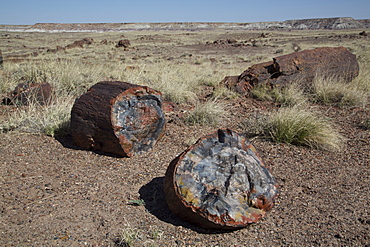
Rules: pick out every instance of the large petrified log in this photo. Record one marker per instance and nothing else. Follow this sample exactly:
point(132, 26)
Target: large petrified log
point(118, 117)
point(220, 183)
point(300, 66)
point(27, 92)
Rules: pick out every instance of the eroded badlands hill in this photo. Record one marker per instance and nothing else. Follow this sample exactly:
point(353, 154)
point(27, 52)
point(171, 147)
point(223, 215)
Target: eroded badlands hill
point(321, 23)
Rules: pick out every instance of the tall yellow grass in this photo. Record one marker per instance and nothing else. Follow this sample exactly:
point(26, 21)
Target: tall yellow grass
point(181, 78)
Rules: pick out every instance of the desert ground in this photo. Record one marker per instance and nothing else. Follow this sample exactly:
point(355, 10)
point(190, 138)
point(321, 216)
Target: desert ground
point(54, 193)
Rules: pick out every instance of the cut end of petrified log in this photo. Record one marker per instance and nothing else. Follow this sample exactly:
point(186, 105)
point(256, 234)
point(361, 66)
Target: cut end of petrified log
point(220, 183)
point(137, 119)
point(118, 118)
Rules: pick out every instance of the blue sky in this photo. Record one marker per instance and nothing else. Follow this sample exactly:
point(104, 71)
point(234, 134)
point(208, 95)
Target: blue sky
point(18, 12)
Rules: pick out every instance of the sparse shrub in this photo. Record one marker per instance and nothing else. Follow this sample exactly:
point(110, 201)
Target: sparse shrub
point(302, 127)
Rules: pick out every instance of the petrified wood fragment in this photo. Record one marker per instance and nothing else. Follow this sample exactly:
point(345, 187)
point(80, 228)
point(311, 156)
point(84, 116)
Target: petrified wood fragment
point(300, 66)
point(27, 92)
point(80, 43)
point(118, 117)
point(123, 43)
point(220, 183)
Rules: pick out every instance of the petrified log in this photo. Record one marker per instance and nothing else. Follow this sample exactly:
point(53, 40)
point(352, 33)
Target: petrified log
point(27, 92)
point(220, 183)
point(123, 43)
point(118, 117)
point(300, 66)
point(80, 43)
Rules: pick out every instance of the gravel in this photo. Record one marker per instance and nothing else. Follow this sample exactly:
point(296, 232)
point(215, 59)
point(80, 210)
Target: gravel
point(55, 194)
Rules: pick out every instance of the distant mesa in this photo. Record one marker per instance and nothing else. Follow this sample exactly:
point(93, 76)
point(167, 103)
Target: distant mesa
point(320, 23)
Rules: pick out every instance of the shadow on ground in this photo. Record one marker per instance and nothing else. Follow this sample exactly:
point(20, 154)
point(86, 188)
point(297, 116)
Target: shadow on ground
point(155, 202)
point(67, 142)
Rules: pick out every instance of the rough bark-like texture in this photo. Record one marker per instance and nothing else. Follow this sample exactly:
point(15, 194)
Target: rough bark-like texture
point(27, 92)
point(118, 117)
point(220, 182)
point(299, 66)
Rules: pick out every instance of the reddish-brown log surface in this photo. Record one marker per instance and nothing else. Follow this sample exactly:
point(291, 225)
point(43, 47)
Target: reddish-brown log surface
point(220, 183)
point(300, 66)
point(27, 92)
point(123, 43)
point(118, 117)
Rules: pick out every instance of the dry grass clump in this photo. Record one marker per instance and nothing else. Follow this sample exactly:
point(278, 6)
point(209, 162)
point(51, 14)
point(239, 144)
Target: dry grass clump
point(333, 91)
point(127, 237)
point(69, 79)
point(362, 81)
point(255, 124)
point(330, 90)
point(179, 83)
point(262, 92)
point(52, 119)
point(300, 126)
point(207, 113)
point(224, 93)
point(289, 95)
point(181, 79)
point(135, 237)
point(325, 90)
point(294, 125)
point(175, 84)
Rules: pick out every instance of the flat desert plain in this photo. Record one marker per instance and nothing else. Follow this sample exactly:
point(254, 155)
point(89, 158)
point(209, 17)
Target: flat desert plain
point(53, 193)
